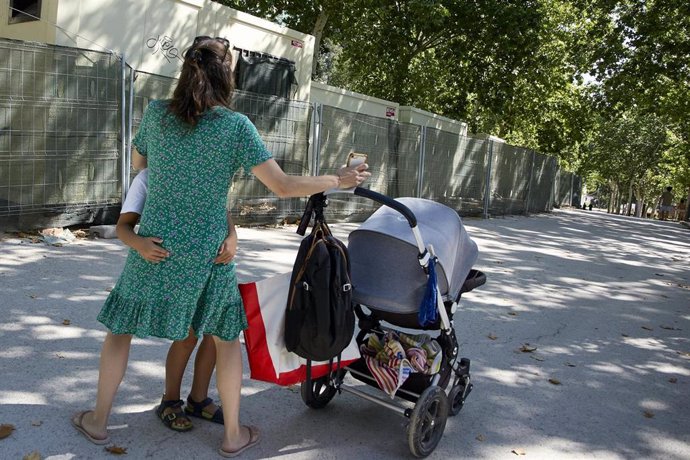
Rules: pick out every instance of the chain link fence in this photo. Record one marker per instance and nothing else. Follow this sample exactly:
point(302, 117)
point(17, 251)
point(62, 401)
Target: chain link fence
point(67, 116)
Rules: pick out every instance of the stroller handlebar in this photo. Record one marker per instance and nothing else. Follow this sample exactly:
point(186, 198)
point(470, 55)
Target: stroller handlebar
point(317, 202)
point(388, 201)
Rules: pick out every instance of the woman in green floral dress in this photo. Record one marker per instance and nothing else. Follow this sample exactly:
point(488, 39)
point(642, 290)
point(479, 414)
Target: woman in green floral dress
point(192, 144)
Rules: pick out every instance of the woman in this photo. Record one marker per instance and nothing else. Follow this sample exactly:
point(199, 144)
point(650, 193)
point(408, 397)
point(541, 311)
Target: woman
point(192, 146)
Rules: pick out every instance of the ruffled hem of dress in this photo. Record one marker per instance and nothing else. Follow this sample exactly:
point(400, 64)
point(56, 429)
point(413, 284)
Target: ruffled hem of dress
point(128, 316)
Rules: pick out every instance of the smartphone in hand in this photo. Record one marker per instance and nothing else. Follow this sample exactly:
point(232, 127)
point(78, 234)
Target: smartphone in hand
point(355, 159)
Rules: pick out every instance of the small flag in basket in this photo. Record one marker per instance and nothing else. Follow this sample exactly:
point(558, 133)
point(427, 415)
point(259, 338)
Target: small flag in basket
point(269, 361)
point(428, 309)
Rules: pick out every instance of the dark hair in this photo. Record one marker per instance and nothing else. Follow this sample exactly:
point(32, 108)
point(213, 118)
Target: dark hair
point(669, 188)
point(206, 79)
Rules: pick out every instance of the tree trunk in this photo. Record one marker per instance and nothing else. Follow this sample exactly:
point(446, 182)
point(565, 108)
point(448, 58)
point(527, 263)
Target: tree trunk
point(628, 209)
point(319, 27)
point(639, 207)
point(612, 196)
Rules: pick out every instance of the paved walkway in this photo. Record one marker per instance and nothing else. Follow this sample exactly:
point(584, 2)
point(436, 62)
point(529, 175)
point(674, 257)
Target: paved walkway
point(604, 299)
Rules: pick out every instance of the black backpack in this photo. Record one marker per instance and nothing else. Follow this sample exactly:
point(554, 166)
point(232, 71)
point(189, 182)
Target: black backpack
point(320, 320)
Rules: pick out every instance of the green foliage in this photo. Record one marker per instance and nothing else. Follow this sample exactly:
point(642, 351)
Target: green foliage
point(571, 78)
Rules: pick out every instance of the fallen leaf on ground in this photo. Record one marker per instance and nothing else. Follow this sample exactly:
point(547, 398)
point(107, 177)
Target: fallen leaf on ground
point(480, 437)
point(37, 423)
point(647, 328)
point(554, 381)
point(492, 337)
point(683, 353)
point(648, 414)
point(670, 328)
point(116, 450)
point(6, 430)
point(33, 296)
point(32, 456)
point(527, 348)
point(108, 289)
point(625, 335)
point(79, 233)
point(66, 322)
point(518, 452)
point(512, 313)
point(673, 380)
point(570, 364)
point(537, 358)
point(497, 262)
point(59, 356)
point(659, 274)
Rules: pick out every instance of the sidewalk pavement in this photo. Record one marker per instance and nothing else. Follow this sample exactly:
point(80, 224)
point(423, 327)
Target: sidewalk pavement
point(604, 300)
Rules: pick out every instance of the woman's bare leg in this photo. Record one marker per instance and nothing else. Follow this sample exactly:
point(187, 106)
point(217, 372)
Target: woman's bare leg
point(229, 377)
point(113, 364)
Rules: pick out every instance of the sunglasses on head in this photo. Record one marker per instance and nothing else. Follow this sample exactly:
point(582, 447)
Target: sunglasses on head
point(222, 40)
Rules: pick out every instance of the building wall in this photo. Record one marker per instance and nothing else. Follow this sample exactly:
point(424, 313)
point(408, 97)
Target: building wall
point(422, 118)
point(36, 31)
point(353, 102)
point(152, 34)
point(254, 34)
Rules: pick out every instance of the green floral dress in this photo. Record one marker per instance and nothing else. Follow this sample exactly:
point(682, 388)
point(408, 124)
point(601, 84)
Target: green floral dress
point(190, 170)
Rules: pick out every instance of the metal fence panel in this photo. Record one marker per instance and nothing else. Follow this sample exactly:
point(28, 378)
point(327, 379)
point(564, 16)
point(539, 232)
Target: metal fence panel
point(542, 183)
point(284, 126)
point(345, 132)
point(455, 171)
point(60, 132)
point(62, 124)
point(510, 172)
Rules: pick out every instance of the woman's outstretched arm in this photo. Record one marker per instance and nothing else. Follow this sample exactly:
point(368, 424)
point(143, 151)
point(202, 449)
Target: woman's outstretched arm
point(285, 185)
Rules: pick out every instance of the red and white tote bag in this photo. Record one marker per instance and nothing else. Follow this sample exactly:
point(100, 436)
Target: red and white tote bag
point(269, 360)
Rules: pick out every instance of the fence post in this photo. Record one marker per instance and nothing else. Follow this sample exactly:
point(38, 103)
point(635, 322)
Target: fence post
point(529, 185)
point(487, 181)
point(315, 130)
point(129, 129)
point(422, 154)
point(123, 124)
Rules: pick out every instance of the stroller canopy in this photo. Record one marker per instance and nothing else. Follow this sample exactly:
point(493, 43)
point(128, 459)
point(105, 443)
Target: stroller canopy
point(383, 252)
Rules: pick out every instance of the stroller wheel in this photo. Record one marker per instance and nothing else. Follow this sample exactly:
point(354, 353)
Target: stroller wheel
point(456, 400)
point(427, 422)
point(318, 394)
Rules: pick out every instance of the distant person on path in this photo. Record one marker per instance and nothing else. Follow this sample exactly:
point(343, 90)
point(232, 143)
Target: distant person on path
point(666, 204)
point(198, 403)
point(192, 144)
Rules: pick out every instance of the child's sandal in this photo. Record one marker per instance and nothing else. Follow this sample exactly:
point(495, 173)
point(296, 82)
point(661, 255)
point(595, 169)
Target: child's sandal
point(196, 409)
point(175, 413)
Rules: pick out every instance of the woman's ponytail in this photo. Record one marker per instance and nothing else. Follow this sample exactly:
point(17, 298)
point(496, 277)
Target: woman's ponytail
point(206, 81)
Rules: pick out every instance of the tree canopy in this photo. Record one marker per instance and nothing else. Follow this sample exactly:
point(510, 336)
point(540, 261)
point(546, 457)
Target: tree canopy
point(558, 76)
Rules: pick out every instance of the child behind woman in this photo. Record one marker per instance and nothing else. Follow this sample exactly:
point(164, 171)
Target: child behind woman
point(198, 403)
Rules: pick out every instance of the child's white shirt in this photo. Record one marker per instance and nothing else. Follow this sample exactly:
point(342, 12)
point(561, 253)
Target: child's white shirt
point(136, 196)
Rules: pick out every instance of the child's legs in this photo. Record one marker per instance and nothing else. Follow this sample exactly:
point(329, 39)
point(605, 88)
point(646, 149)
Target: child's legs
point(204, 364)
point(113, 364)
point(229, 379)
point(175, 365)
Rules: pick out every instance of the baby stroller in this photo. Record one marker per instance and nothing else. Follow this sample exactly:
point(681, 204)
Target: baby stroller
point(390, 255)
